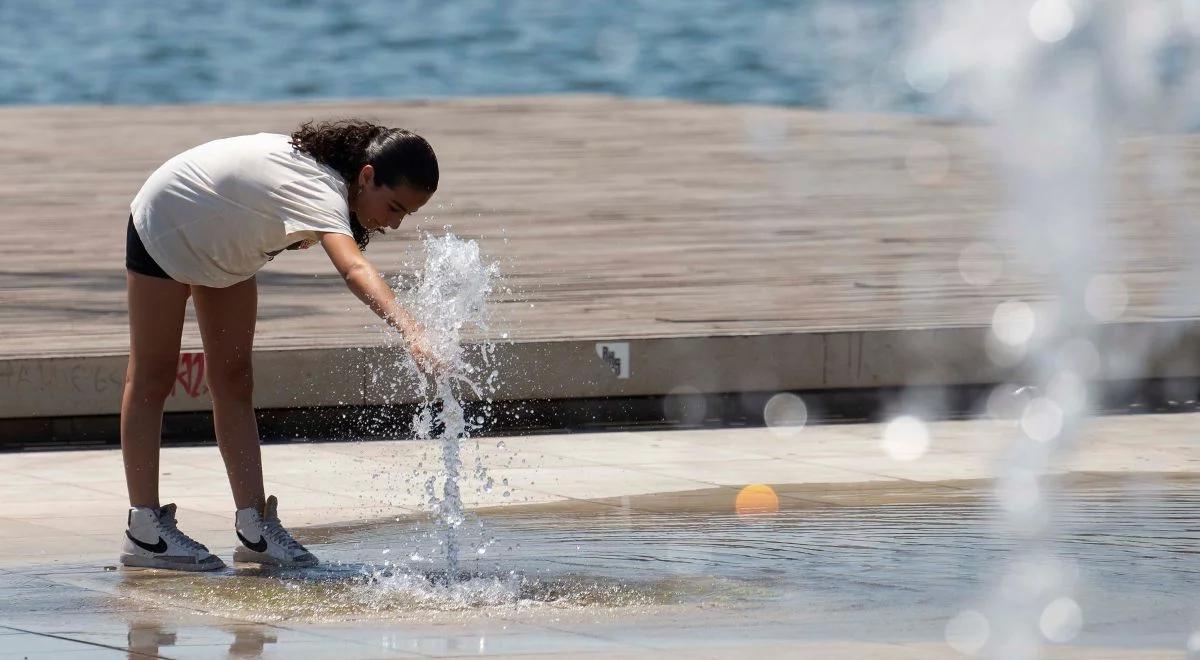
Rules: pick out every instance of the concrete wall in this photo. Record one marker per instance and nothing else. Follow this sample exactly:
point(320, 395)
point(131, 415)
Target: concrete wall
point(91, 385)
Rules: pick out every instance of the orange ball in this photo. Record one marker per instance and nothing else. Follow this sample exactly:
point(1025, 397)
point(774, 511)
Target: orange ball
point(756, 498)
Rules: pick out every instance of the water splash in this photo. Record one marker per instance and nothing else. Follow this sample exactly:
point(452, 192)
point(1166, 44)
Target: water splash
point(393, 592)
point(450, 300)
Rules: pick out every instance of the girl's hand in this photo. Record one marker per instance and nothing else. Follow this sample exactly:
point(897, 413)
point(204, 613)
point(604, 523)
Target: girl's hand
point(421, 350)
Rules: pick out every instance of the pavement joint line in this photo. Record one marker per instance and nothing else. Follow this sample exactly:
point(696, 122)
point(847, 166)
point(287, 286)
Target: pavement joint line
point(122, 649)
point(149, 606)
point(580, 499)
point(817, 500)
point(233, 621)
point(630, 507)
point(289, 483)
point(635, 468)
point(881, 475)
point(629, 465)
point(567, 498)
point(278, 625)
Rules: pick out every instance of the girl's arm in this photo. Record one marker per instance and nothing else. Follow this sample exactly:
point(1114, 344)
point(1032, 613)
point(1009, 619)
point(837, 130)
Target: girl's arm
point(369, 286)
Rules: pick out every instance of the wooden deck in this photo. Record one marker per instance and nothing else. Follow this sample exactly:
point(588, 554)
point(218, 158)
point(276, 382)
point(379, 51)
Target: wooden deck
point(610, 218)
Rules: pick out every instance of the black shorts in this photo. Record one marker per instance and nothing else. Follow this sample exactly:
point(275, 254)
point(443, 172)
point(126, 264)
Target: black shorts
point(136, 257)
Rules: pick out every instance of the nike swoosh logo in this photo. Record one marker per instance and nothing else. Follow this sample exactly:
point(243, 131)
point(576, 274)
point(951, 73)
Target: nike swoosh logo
point(157, 548)
point(260, 546)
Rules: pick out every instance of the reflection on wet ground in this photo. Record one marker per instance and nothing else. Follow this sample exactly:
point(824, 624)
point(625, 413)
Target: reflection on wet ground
point(881, 564)
point(154, 638)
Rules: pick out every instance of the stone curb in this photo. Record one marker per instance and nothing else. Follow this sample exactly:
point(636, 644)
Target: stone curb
point(319, 377)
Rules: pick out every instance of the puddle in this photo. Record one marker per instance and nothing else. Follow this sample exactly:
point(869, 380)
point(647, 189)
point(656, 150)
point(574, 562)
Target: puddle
point(353, 591)
point(905, 561)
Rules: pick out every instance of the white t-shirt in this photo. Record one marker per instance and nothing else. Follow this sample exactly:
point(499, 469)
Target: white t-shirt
point(214, 214)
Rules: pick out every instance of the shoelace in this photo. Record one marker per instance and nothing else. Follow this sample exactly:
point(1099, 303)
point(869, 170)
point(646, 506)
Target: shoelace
point(273, 529)
point(168, 529)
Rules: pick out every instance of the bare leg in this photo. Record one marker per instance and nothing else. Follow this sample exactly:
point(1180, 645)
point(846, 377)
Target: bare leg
point(156, 309)
point(227, 318)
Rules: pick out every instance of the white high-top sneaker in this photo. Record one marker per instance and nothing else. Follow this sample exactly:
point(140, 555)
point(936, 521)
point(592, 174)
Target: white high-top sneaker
point(153, 541)
point(265, 541)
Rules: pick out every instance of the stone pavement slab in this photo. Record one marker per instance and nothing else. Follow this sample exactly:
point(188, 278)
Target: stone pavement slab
point(61, 514)
point(81, 494)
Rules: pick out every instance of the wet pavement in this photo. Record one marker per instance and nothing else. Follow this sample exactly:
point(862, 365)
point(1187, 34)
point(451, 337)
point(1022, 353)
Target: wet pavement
point(874, 566)
point(560, 577)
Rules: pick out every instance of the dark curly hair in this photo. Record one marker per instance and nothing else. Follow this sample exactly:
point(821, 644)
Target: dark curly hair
point(399, 157)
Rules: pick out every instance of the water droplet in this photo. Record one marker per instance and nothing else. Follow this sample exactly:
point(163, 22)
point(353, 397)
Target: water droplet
point(980, 264)
point(1051, 20)
point(1013, 322)
point(1061, 620)
point(905, 438)
point(926, 72)
point(967, 632)
point(1042, 419)
point(785, 414)
point(506, 493)
point(1106, 298)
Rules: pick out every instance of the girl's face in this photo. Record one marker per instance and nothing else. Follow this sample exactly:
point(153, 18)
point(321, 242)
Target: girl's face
point(380, 207)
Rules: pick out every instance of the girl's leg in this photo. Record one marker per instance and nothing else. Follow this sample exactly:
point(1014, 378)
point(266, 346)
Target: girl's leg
point(156, 309)
point(226, 317)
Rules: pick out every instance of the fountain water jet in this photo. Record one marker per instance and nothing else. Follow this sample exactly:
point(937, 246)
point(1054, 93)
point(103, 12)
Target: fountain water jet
point(449, 299)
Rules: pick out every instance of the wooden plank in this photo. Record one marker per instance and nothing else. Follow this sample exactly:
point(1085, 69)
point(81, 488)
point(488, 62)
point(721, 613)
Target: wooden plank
point(610, 218)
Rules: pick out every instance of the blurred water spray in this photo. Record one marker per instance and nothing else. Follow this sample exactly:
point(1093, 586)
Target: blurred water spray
point(1061, 81)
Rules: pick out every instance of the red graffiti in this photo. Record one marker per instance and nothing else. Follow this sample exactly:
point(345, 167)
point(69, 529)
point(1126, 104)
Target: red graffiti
point(190, 375)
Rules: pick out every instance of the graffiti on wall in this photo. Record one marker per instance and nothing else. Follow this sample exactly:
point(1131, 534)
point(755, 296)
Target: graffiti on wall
point(48, 387)
point(189, 376)
point(103, 376)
